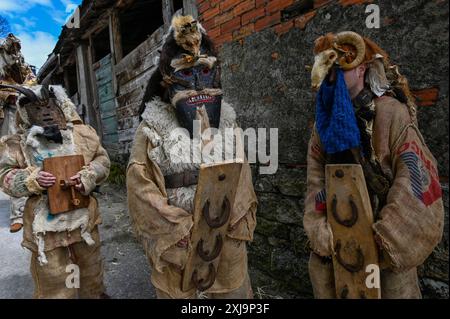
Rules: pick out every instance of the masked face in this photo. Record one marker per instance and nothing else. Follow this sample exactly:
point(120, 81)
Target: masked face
point(193, 88)
point(46, 114)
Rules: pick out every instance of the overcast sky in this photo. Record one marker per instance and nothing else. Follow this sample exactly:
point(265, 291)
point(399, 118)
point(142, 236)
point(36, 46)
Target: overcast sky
point(37, 23)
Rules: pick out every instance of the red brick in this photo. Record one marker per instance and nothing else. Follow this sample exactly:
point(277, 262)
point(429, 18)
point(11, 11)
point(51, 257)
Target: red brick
point(204, 6)
point(278, 5)
point(211, 13)
point(253, 15)
point(214, 33)
point(210, 24)
point(284, 27)
point(346, 3)
point(231, 25)
point(228, 4)
point(224, 38)
point(320, 3)
point(267, 21)
point(244, 7)
point(244, 31)
point(303, 20)
point(224, 17)
point(260, 3)
point(426, 97)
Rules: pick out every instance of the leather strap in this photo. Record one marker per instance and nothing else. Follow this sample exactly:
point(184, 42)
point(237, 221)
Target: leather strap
point(183, 179)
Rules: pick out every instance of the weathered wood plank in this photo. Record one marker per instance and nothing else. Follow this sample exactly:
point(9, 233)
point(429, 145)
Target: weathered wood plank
point(129, 122)
point(127, 135)
point(127, 111)
point(350, 216)
point(215, 194)
point(139, 59)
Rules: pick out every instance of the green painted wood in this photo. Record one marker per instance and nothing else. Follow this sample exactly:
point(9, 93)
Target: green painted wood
point(108, 115)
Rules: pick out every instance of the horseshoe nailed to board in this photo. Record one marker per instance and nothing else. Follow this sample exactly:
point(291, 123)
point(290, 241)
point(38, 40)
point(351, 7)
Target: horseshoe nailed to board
point(349, 213)
point(62, 196)
point(213, 204)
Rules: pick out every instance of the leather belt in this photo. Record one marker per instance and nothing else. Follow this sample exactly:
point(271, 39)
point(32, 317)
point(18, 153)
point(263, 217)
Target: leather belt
point(184, 179)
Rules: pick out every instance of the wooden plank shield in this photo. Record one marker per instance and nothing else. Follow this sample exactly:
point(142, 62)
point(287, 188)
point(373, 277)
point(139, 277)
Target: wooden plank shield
point(62, 196)
point(350, 215)
point(213, 203)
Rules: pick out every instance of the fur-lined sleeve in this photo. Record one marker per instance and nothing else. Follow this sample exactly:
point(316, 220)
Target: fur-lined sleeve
point(158, 225)
point(315, 221)
point(411, 223)
point(16, 179)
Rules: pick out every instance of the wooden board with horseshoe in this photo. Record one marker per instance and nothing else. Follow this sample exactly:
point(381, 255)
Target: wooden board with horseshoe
point(213, 203)
point(62, 196)
point(350, 215)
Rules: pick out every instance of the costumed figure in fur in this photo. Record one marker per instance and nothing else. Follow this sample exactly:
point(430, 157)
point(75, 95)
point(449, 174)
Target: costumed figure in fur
point(48, 126)
point(13, 70)
point(161, 185)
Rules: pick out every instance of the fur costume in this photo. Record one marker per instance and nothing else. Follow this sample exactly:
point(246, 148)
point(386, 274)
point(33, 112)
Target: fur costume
point(187, 78)
point(13, 70)
point(21, 160)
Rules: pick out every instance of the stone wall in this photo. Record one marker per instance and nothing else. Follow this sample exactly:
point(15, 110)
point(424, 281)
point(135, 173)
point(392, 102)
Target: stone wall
point(264, 48)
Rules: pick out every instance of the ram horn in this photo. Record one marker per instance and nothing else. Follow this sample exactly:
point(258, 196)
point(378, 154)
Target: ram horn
point(352, 38)
point(25, 91)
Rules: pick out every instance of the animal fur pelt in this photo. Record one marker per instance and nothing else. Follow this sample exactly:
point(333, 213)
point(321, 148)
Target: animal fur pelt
point(161, 123)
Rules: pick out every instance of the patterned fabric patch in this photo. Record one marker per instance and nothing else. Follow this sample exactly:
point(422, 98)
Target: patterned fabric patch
point(321, 201)
point(15, 182)
point(423, 175)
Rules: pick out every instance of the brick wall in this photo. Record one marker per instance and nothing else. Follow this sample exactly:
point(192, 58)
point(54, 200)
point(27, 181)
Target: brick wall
point(264, 47)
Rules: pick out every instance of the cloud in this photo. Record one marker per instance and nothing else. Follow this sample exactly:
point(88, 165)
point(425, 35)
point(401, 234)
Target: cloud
point(36, 46)
point(62, 16)
point(11, 6)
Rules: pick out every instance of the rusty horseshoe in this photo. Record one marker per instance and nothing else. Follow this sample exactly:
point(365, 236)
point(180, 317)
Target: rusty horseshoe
point(220, 220)
point(345, 222)
point(205, 254)
point(201, 284)
point(357, 266)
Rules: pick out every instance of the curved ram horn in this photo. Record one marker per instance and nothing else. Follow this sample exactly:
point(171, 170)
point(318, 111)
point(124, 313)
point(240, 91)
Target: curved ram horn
point(357, 266)
point(25, 91)
point(206, 255)
point(345, 222)
point(352, 38)
point(202, 284)
point(220, 220)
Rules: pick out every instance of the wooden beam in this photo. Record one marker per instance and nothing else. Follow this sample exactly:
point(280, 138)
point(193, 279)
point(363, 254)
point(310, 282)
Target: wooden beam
point(115, 36)
point(190, 8)
point(167, 8)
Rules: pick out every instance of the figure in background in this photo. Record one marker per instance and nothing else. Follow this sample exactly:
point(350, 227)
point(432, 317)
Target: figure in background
point(365, 115)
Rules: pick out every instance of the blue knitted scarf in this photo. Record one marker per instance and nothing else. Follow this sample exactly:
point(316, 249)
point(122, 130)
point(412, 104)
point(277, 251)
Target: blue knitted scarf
point(335, 117)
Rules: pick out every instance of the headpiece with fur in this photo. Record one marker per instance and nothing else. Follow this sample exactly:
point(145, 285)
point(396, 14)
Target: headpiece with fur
point(347, 50)
point(185, 44)
point(13, 68)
